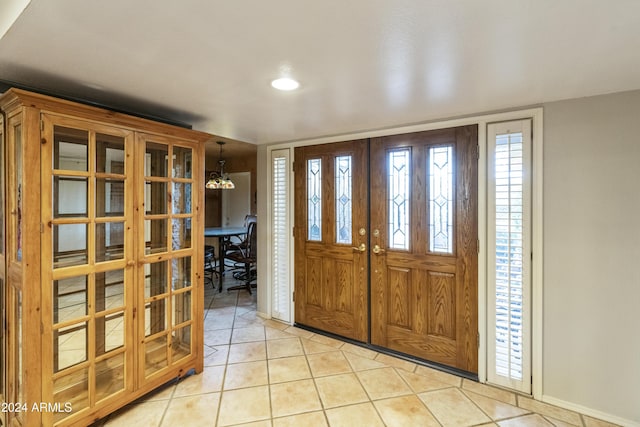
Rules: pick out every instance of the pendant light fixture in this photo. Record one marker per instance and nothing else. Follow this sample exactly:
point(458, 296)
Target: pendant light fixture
point(218, 180)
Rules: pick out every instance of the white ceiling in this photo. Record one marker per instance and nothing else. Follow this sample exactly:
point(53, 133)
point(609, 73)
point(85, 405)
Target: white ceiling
point(362, 64)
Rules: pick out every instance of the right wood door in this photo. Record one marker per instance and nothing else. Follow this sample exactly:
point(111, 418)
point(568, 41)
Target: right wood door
point(424, 247)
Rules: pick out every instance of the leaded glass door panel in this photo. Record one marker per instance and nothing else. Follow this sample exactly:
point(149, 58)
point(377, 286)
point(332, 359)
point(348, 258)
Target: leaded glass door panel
point(424, 245)
point(331, 238)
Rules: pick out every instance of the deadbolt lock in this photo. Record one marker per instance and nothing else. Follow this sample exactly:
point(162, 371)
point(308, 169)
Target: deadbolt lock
point(376, 233)
point(362, 232)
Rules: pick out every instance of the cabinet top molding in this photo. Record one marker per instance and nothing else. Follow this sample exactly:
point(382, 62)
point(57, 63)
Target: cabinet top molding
point(15, 98)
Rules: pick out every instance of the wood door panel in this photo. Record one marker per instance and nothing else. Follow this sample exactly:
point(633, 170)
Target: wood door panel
point(429, 311)
point(331, 277)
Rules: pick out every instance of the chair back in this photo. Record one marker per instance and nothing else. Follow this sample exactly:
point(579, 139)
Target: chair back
point(252, 240)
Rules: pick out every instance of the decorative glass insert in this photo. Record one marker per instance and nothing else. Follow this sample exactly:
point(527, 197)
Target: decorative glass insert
point(509, 254)
point(343, 199)
point(314, 199)
point(398, 198)
point(440, 170)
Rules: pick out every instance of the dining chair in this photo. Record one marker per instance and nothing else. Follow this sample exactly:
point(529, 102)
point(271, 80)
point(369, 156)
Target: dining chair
point(246, 257)
point(210, 260)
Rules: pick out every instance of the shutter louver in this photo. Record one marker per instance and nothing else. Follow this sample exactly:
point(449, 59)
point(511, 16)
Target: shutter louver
point(280, 228)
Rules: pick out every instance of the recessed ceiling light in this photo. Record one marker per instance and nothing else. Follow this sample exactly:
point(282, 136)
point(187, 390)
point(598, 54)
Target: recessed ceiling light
point(285, 83)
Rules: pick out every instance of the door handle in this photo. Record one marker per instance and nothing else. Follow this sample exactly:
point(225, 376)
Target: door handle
point(360, 248)
point(377, 250)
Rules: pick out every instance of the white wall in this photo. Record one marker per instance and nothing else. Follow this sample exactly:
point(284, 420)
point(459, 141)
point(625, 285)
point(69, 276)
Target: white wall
point(591, 336)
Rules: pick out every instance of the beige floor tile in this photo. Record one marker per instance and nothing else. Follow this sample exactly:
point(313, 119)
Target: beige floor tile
point(452, 408)
point(254, 333)
point(383, 383)
point(288, 369)
point(405, 411)
point(420, 383)
point(396, 362)
point(489, 391)
point(244, 405)
point(148, 414)
point(340, 390)
point(593, 422)
point(362, 363)
point(558, 423)
point(277, 334)
point(363, 414)
point(212, 323)
point(533, 420)
point(208, 381)
point(217, 355)
point(331, 342)
point(264, 423)
point(247, 352)
point(294, 397)
point(359, 351)
point(443, 377)
point(298, 332)
point(217, 337)
point(284, 348)
point(275, 324)
point(331, 363)
point(248, 374)
point(198, 410)
point(550, 410)
point(310, 419)
point(161, 393)
point(313, 347)
point(496, 409)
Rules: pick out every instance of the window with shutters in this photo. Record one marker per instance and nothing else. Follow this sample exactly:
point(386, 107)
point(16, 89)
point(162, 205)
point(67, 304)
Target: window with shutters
point(281, 229)
point(509, 254)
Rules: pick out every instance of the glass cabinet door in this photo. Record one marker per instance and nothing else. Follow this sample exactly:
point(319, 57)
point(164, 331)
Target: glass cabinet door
point(88, 247)
point(165, 245)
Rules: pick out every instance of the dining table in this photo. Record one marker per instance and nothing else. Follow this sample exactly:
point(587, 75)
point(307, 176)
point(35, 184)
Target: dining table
point(223, 234)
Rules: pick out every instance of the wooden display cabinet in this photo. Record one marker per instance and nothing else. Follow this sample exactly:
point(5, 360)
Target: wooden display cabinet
point(101, 272)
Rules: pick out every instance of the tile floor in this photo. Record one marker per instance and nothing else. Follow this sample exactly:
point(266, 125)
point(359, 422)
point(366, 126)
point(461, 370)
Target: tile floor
point(263, 373)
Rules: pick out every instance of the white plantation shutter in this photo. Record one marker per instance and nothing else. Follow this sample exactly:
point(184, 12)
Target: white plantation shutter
point(509, 254)
point(281, 229)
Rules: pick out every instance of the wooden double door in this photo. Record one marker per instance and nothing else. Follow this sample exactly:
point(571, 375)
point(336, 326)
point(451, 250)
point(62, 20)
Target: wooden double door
point(386, 243)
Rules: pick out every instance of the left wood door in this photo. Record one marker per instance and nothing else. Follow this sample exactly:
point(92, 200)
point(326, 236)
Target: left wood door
point(331, 260)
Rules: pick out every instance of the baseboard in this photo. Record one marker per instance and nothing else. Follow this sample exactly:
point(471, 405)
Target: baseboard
point(589, 412)
point(263, 315)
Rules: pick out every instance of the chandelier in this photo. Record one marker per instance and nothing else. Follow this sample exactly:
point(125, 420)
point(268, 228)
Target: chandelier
point(218, 180)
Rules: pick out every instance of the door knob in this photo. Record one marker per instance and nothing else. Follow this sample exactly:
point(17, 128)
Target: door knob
point(377, 249)
point(360, 248)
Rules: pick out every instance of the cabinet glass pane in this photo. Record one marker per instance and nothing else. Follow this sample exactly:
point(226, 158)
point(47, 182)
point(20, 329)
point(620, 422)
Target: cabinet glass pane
point(109, 290)
point(69, 298)
point(181, 307)
point(109, 241)
point(69, 346)
point(109, 154)
point(181, 343)
point(155, 231)
point(155, 355)
point(155, 198)
point(18, 188)
point(181, 198)
point(155, 159)
point(155, 279)
point(71, 392)
point(155, 317)
point(109, 376)
point(109, 197)
point(69, 197)
point(180, 273)
point(180, 233)
point(69, 245)
point(109, 332)
point(181, 162)
point(70, 149)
